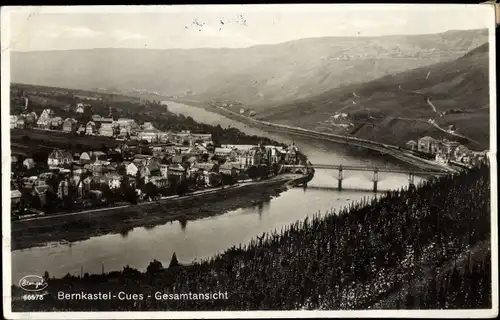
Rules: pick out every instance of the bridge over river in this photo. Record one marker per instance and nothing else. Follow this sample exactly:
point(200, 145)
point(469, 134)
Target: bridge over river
point(342, 168)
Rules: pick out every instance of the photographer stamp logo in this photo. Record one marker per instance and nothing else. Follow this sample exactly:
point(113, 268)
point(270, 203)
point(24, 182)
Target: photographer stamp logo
point(32, 283)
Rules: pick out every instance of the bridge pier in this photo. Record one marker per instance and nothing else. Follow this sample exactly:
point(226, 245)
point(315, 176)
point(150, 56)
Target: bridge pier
point(411, 178)
point(375, 180)
point(340, 178)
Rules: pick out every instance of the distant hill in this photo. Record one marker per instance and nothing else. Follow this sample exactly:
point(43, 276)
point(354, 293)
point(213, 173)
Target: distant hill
point(396, 108)
point(258, 75)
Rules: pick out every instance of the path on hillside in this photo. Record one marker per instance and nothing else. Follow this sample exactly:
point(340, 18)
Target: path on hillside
point(454, 134)
point(434, 124)
point(420, 94)
point(431, 104)
point(409, 91)
point(350, 105)
point(418, 285)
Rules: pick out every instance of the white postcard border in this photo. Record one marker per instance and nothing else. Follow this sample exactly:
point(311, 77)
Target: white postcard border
point(5, 136)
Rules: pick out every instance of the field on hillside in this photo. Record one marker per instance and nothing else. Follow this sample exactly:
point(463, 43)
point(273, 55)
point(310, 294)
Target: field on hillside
point(396, 108)
point(73, 93)
point(31, 141)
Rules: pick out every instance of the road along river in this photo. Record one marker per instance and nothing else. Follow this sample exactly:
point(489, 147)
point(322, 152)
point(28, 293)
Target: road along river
point(203, 238)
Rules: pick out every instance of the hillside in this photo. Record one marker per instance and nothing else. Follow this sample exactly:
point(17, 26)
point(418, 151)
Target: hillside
point(257, 75)
point(420, 248)
point(396, 108)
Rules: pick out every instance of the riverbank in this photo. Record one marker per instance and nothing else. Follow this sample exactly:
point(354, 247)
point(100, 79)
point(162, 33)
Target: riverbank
point(81, 226)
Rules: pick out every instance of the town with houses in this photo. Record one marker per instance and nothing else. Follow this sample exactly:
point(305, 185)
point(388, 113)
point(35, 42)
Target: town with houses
point(147, 164)
point(447, 151)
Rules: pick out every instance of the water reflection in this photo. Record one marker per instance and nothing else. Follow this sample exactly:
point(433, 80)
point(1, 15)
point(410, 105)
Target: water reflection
point(183, 223)
point(262, 206)
point(125, 231)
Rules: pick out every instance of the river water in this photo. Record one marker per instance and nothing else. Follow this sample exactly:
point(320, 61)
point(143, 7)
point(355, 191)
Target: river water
point(203, 238)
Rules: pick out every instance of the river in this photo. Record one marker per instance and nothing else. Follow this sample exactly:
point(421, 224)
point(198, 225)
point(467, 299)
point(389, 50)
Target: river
point(203, 238)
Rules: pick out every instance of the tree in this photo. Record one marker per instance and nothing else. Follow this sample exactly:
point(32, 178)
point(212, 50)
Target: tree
point(104, 148)
point(210, 147)
point(227, 179)
point(140, 182)
point(52, 202)
point(127, 192)
point(35, 201)
point(205, 157)
point(151, 190)
point(130, 273)
point(264, 172)
point(182, 187)
point(153, 267)
point(275, 168)
point(219, 159)
point(131, 195)
point(253, 172)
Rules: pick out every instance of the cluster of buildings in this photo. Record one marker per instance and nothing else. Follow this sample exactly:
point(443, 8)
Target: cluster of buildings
point(171, 158)
point(339, 119)
point(446, 151)
point(121, 129)
point(165, 165)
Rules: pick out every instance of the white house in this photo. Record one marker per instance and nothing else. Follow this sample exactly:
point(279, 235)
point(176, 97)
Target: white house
point(15, 197)
point(44, 119)
point(412, 145)
point(159, 181)
point(150, 135)
point(90, 128)
point(96, 118)
point(80, 108)
point(62, 189)
point(250, 157)
point(13, 121)
point(164, 170)
point(58, 158)
point(98, 155)
point(427, 144)
point(85, 158)
point(441, 157)
point(81, 129)
point(56, 122)
point(131, 169)
point(225, 152)
point(461, 153)
point(20, 123)
point(114, 180)
point(69, 125)
point(28, 163)
point(205, 137)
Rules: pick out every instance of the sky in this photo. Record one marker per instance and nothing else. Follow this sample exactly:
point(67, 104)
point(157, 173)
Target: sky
point(166, 27)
